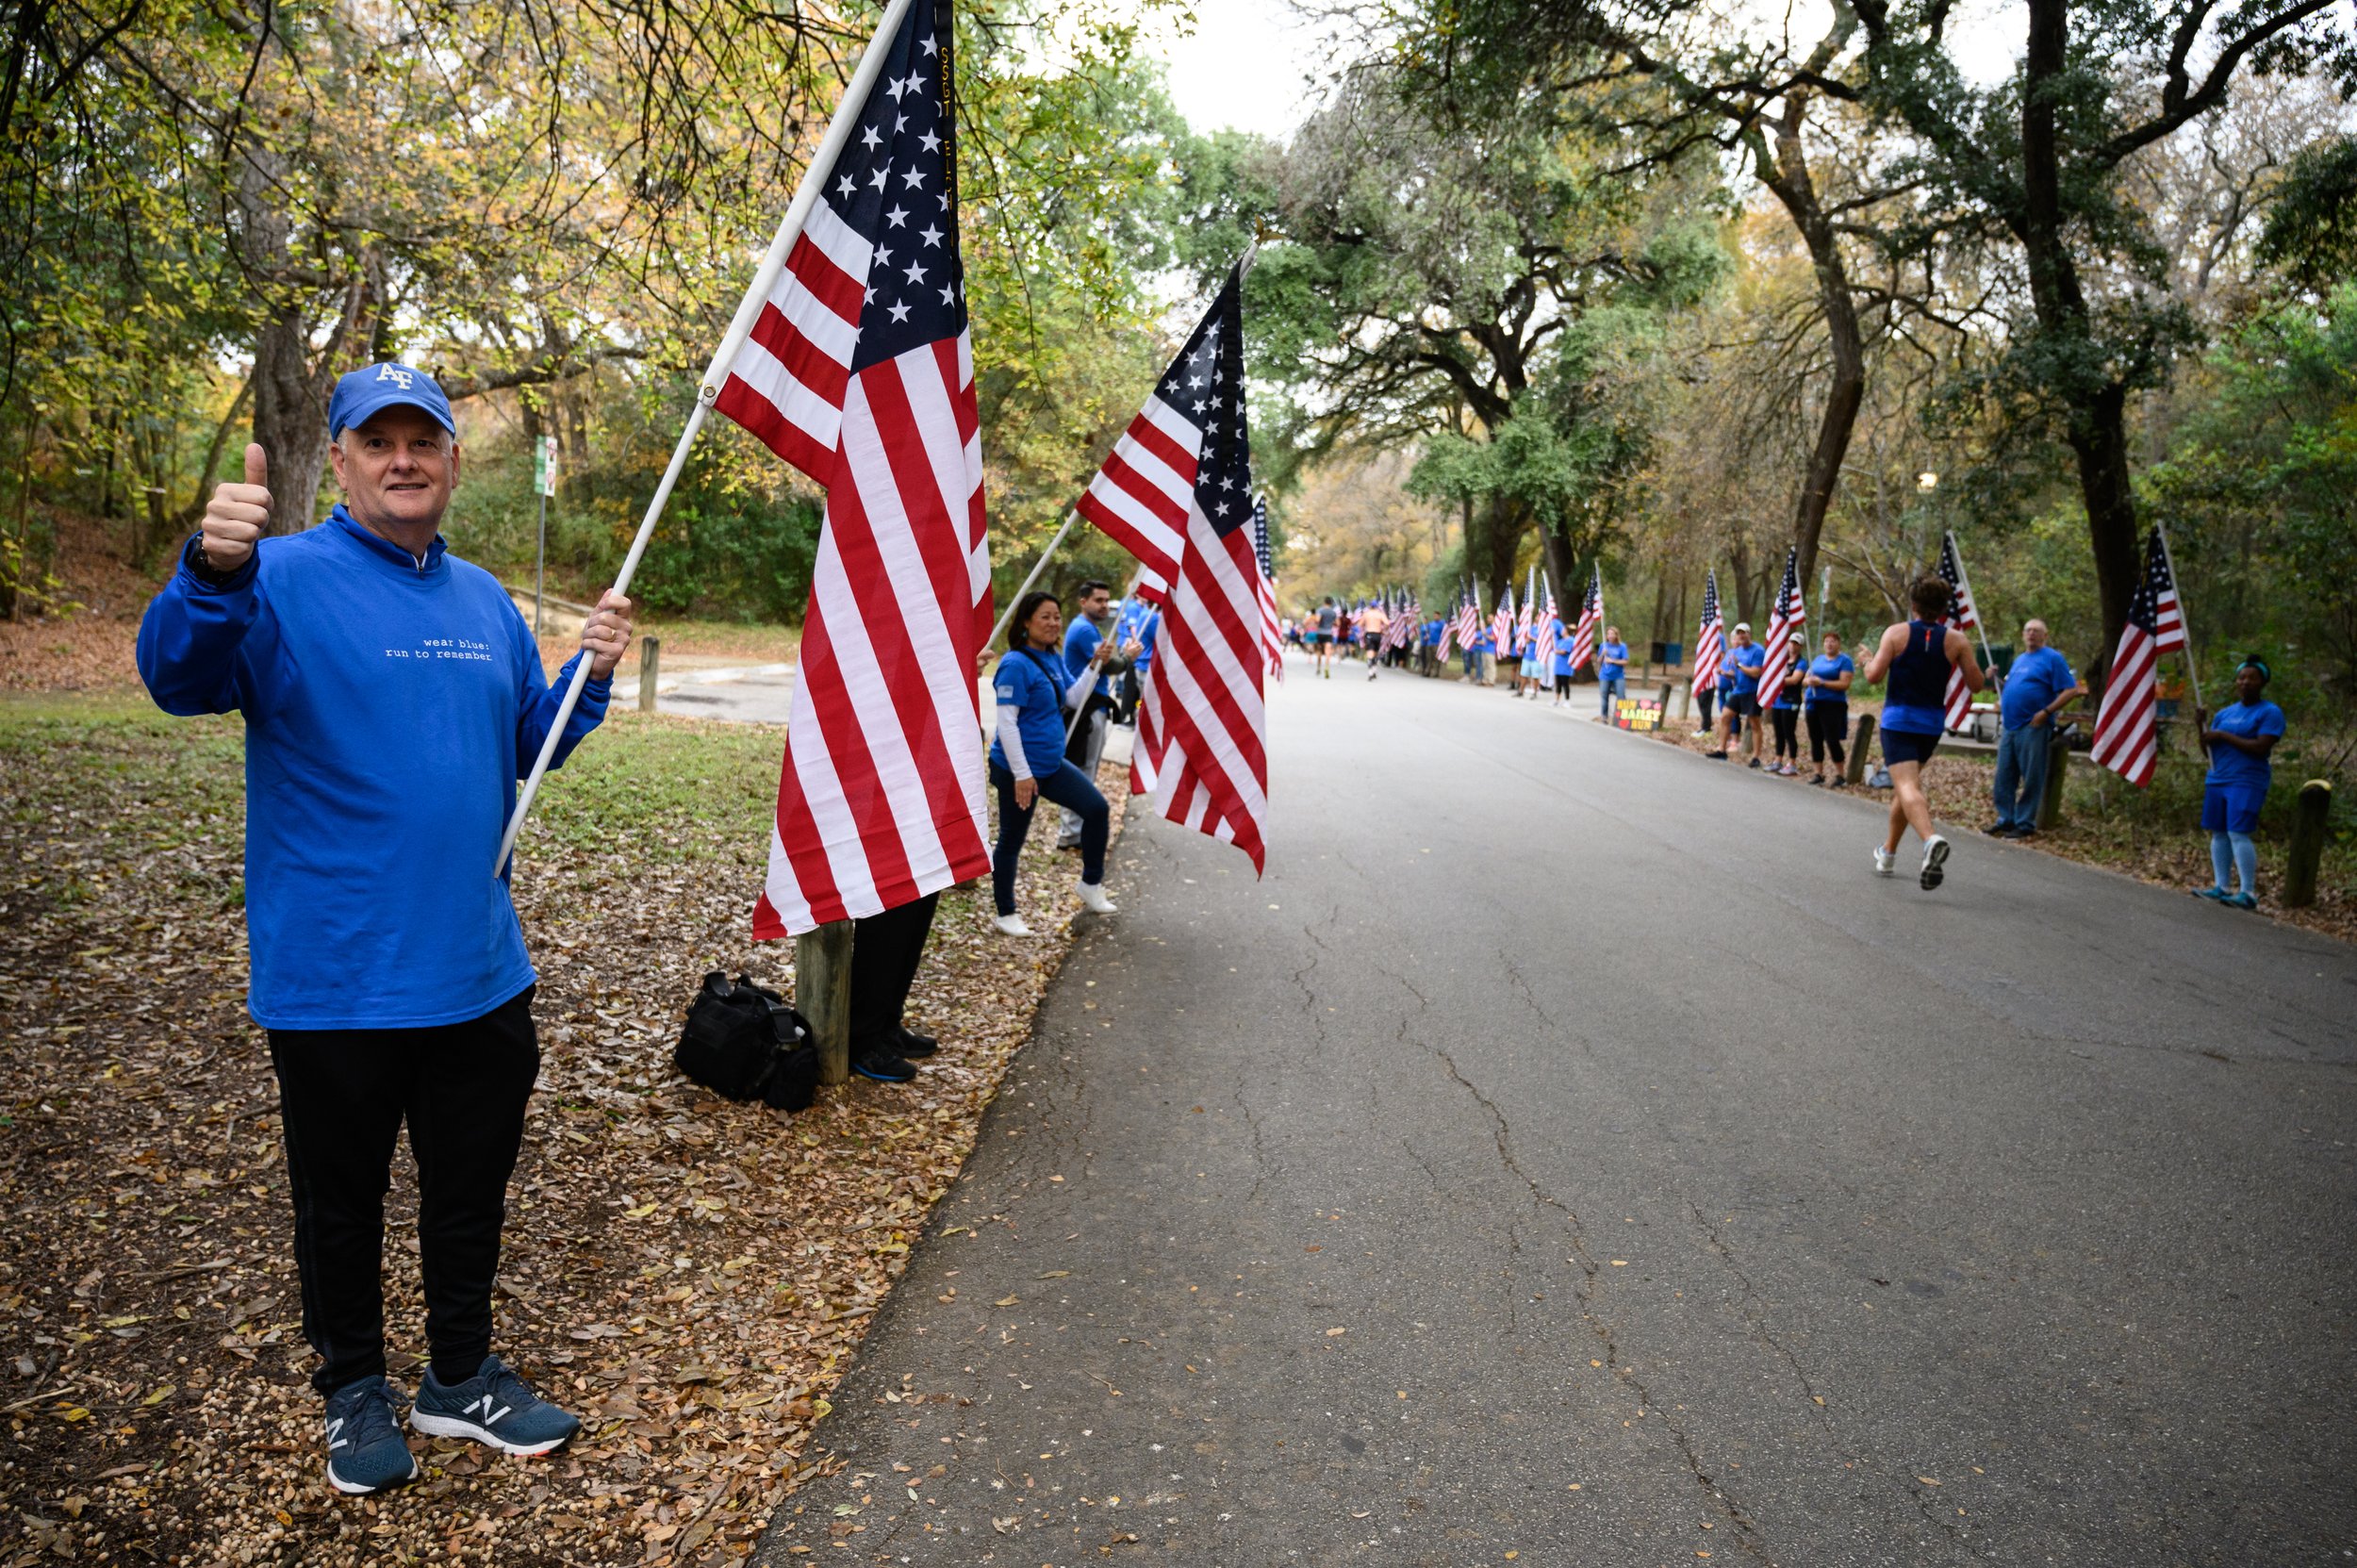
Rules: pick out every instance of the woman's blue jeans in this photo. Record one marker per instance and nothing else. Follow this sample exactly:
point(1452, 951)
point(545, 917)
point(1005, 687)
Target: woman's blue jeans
point(1067, 786)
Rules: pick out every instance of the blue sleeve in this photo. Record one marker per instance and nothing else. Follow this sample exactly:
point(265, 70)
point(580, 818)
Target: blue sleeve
point(189, 637)
point(2270, 722)
point(541, 699)
point(1078, 644)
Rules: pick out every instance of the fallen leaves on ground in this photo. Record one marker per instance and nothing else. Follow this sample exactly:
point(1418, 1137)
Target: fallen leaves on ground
point(689, 1275)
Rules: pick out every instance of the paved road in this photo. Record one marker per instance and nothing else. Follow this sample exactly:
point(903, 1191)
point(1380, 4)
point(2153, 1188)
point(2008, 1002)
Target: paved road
point(1572, 1154)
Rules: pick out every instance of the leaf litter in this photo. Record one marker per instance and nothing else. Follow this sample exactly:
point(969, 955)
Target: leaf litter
point(690, 1276)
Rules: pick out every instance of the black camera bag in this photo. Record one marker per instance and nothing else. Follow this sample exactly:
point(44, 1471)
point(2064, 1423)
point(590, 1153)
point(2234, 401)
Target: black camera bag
point(743, 1041)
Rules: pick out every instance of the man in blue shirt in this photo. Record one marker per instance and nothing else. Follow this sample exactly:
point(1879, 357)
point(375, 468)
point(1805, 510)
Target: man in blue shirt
point(392, 694)
point(2034, 694)
point(1738, 678)
point(1094, 602)
point(1612, 672)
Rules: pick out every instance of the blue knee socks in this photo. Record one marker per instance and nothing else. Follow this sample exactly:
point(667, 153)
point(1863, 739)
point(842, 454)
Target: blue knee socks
point(2245, 862)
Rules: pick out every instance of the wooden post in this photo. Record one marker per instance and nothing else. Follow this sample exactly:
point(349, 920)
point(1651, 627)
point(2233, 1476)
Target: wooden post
point(650, 660)
point(822, 994)
point(2308, 825)
point(1686, 700)
point(2057, 765)
point(1861, 743)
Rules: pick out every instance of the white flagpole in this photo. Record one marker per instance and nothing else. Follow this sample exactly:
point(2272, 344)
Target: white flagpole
point(998, 630)
point(2193, 666)
point(806, 195)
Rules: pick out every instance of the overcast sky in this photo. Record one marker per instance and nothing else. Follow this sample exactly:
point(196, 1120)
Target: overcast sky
point(1249, 63)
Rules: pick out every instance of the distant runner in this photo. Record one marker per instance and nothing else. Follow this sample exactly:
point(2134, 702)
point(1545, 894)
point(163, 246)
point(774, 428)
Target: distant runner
point(1917, 655)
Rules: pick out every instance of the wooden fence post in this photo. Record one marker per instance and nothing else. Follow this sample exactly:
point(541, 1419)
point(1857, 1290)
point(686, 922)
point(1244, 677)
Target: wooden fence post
point(822, 994)
point(2057, 765)
point(650, 660)
point(2308, 825)
point(1860, 744)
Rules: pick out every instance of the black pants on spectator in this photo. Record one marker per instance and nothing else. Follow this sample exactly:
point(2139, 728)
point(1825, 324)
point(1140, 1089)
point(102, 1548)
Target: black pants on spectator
point(1828, 730)
point(1788, 727)
point(343, 1095)
point(1703, 700)
point(1563, 686)
point(885, 951)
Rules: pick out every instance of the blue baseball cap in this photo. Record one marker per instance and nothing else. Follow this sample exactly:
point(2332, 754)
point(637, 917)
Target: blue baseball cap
point(361, 395)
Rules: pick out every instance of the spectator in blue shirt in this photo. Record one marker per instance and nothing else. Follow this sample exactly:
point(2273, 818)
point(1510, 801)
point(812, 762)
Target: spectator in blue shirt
point(1084, 744)
point(2034, 694)
point(1612, 672)
point(2240, 739)
point(392, 695)
point(1027, 761)
point(1825, 707)
point(1738, 684)
point(1784, 706)
point(1562, 671)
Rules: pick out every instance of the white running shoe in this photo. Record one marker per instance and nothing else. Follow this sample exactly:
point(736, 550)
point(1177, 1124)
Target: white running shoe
point(1012, 925)
point(1092, 898)
point(1935, 858)
point(1885, 862)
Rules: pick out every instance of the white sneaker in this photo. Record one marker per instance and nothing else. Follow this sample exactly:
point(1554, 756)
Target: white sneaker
point(1935, 858)
point(1885, 862)
point(1092, 898)
point(1012, 925)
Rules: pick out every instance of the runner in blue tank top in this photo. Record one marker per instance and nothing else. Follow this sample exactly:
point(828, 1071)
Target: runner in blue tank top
point(1917, 656)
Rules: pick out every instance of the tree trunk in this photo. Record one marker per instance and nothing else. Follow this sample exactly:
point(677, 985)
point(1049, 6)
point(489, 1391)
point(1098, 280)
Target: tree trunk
point(1563, 570)
point(1788, 175)
point(292, 390)
point(2097, 400)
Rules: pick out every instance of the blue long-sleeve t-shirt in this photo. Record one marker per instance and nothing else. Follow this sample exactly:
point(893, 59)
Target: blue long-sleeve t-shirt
point(391, 705)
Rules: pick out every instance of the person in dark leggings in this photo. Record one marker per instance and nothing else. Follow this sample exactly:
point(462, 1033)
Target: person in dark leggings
point(1825, 707)
point(1786, 716)
point(1917, 656)
point(1026, 758)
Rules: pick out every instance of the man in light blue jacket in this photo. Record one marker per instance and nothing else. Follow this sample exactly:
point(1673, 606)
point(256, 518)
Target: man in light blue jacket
point(392, 694)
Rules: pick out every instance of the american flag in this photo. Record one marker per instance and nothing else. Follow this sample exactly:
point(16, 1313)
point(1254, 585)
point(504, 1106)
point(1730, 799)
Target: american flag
point(1272, 633)
point(1468, 617)
point(1789, 615)
point(1202, 726)
point(1502, 622)
point(1710, 639)
point(1550, 627)
point(859, 373)
point(1406, 624)
point(1590, 621)
point(2127, 735)
point(1522, 617)
point(1961, 617)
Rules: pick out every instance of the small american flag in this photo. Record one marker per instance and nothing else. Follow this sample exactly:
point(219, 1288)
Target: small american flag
point(1710, 639)
point(1272, 633)
point(1590, 621)
point(1962, 617)
point(2127, 733)
point(1790, 615)
point(1406, 624)
point(1202, 749)
point(1468, 616)
point(859, 373)
point(1523, 616)
point(1549, 626)
point(1502, 623)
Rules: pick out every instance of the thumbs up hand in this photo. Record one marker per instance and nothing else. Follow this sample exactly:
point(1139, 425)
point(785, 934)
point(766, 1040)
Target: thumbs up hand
point(238, 515)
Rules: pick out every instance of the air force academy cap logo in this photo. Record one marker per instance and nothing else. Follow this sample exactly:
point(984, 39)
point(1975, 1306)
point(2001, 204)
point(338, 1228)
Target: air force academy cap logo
point(362, 394)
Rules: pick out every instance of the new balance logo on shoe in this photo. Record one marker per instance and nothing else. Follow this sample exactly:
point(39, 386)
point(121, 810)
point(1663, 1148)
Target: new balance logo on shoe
point(335, 1441)
point(483, 1407)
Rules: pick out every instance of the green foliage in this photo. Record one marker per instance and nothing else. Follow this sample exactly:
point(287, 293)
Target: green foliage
point(2260, 496)
point(2311, 230)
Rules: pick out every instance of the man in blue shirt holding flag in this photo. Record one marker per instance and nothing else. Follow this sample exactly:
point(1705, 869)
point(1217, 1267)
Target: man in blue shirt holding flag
point(391, 694)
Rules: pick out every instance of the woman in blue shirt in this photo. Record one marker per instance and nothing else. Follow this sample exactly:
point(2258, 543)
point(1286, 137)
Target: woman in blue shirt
point(1918, 656)
point(1562, 661)
point(2239, 740)
point(1786, 712)
point(1613, 672)
point(1026, 758)
point(1826, 706)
